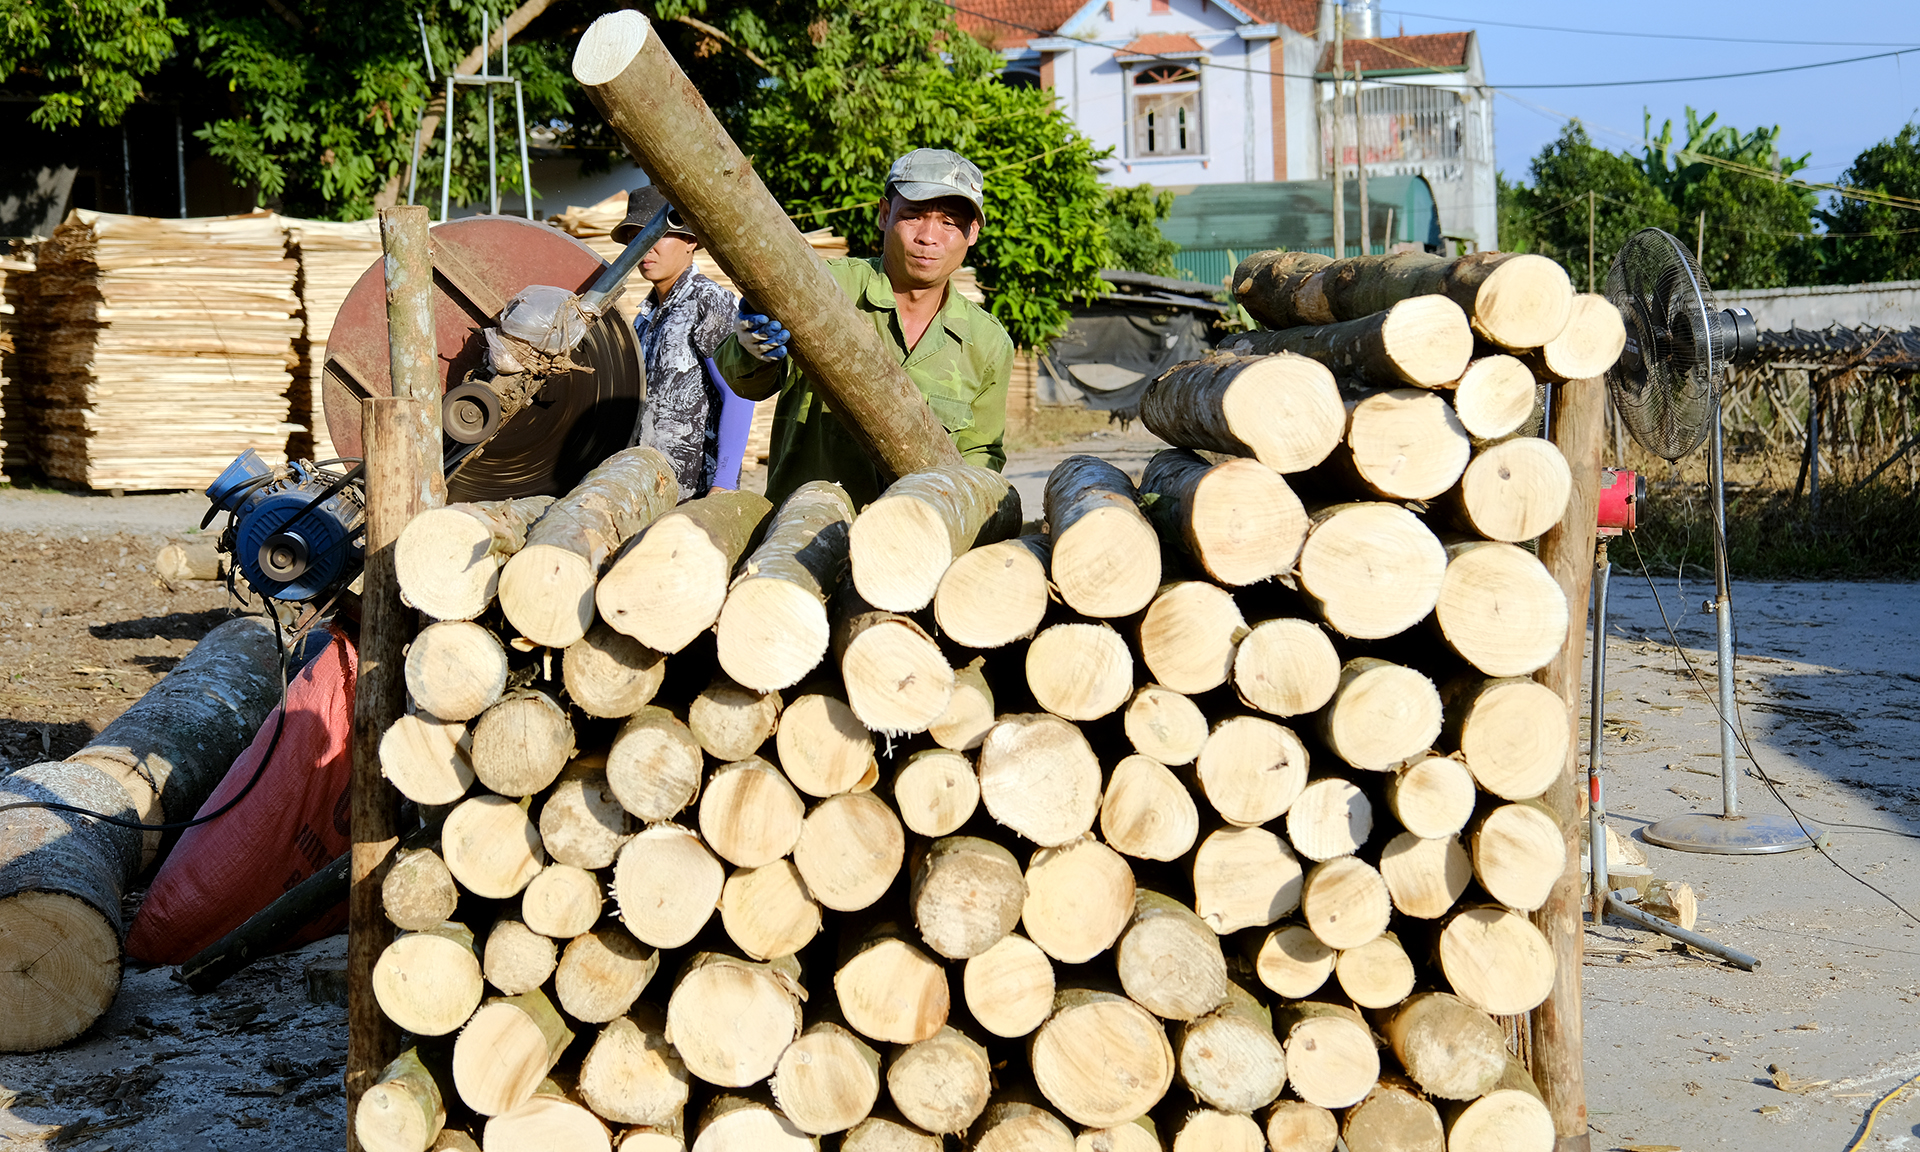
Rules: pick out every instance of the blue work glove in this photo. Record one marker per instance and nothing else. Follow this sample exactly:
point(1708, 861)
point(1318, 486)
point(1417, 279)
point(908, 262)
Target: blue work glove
point(763, 337)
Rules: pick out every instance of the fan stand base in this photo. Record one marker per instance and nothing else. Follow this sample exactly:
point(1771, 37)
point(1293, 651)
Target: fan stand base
point(1730, 835)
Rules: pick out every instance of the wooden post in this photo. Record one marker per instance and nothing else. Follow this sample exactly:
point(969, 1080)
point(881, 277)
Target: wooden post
point(1360, 163)
point(410, 336)
point(1339, 151)
point(1567, 552)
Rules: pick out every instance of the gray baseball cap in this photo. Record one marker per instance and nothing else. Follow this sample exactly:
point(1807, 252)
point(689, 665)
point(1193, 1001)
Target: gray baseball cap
point(931, 173)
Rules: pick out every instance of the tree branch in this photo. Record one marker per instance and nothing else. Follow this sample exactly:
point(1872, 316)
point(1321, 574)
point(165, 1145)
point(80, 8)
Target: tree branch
point(709, 30)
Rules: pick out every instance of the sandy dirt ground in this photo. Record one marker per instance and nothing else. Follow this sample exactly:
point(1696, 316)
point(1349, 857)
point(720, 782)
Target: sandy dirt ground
point(1679, 1046)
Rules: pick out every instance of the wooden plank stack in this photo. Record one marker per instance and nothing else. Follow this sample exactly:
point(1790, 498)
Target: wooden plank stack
point(333, 256)
point(13, 440)
point(1199, 816)
point(163, 348)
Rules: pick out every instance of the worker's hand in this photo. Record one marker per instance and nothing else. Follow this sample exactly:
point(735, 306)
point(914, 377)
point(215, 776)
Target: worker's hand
point(763, 337)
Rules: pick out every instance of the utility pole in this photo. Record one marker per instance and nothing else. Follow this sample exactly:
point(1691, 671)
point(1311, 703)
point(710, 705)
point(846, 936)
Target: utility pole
point(1360, 162)
point(1589, 240)
point(1700, 240)
point(1339, 155)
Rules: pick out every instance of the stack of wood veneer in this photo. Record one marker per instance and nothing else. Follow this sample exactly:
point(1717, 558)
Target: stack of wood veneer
point(333, 256)
point(1199, 817)
point(13, 441)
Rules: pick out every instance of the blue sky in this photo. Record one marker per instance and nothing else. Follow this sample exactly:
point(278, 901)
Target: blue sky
point(1832, 113)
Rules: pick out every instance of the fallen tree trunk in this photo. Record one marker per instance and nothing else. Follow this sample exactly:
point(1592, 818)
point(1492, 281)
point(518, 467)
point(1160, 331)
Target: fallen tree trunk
point(1282, 410)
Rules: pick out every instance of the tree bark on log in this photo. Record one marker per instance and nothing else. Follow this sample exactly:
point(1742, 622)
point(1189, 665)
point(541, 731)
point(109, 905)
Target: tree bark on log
point(1371, 570)
point(1039, 777)
point(1244, 878)
point(1188, 635)
point(1079, 897)
point(1267, 285)
point(1282, 410)
point(730, 1019)
point(1146, 811)
point(1424, 341)
point(1286, 667)
point(967, 895)
point(898, 681)
point(506, 1050)
point(1251, 770)
point(1424, 876)
point(1499, 608)
point(904, 542)
point(403, 1111)
point(768, 911)
point(1331, 1060)
point(1100, 1058)
point(773, 628)
point(1237, 520)
point(1450, 1048)
point(1381, 714)
point(823, 747)
point(448, 559)
point(610, 675)
point(1165, 726)
point(995, 594)
point(455, 670)
point(936, 792)
point(1591, 342)
point(1511, 491)
point(1106, 555)
point(828, 1080)
point(1230, 1058)
point(667, 884)
point(1009, 988)
point(1081, 671)
point(668, 584)
point(429, 982)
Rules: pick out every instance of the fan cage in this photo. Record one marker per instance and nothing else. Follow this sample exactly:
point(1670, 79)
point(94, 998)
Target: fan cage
point(1667, 383)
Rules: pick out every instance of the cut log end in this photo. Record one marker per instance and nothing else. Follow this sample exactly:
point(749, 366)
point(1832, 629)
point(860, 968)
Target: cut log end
point(1166, 726)
point(1381, 715)
point(995, 594)
point(771, 633)
point(1372, 570)
point(59, 969)
point(1080, 671)
point(1286, 667)
point(1147, 812)
point(1513, 491)
point(1009, 988)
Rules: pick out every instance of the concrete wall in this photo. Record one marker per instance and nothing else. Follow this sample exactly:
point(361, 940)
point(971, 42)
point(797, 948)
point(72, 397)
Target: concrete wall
point(1893, 304)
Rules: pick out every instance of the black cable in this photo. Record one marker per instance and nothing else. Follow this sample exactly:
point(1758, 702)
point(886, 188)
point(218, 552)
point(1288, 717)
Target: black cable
point(1716, 76)
point(1634, 35)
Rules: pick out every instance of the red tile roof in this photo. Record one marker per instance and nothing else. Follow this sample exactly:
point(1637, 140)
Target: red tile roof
point(1439, 52)
point(1300, 15)
point(1163, 44)
point(1006, 23)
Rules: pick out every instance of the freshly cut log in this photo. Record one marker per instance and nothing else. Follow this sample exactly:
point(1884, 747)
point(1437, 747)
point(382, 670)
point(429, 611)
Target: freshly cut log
point(1211, 1130)
point(1165, 726)
point(418, 892)
point(1511, 1117)
point(749, 814)
point(995, 594)
point(967, 895)
point(504, 1052)
point(582, 822)
point(1079, 898)
point(1292, 962)
point(1371, 570)
point(1286, 667)
point(1106, 555)
point(455, 670)
point(936, 791)
point(898, 681)
point(1283, 411)
point(1672, 900)
point(1424, 341)
point(1500, 609)
point(1331, 1060)
point(1251, 770)
point(1345, 902)
point(521, 743)
point(889, 1133)
point(747, 1124)
point(654, 765)
point(1039, 777)
point(1268, 285)
point(1139, 1136)
point(903, 543)
point(730, 1019)
point(1516, 301)
point(1511, 732)
point(546, 1123)
point(1431, 796)
point(1512, 491)
point(768, 911)
point(429, 982)
point(732, 722)
point(941, 1083)
point(1332, 817)
point(562, 902)
point(1100, 1058)
point(1401, 444)
point(1424, 876)
point(1237, 519)
point(602, 972)
point(611, 675)
point(547, 588)
point(1496, 960)
point(1169, 961)
point(426, 758)
point(403, 1111)
point(667, 884)
point(1381, 714)
point(1146, 812)
point(826, 1081)
point(1591, 342)
point(667, 585)
point(1394, 1117)
point(196, 559)
point(1009, 988)
point(1016, 1126)
point(1377, 974)
point(632, 1075)
point(1244, 878)
point(518, 959)
point(491, 847)
point(1230, 1058)
point(850, 848)
point(1518, 854)
point(823, 747)
point(653, 1138)
point(448, 559)
point(1494, 397)
point(969, 713)
point(1297, 1126)
point(1187, 636)
point(892, 992)
point(773, 629)
point(1450, 1048)
point(1080, 671)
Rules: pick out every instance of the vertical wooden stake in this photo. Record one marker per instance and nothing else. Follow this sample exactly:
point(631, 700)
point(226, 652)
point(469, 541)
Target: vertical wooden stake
point(1589, 239)
point(1579, 423)
point(411, 346)
point(1360, 163)
point(1339, 145)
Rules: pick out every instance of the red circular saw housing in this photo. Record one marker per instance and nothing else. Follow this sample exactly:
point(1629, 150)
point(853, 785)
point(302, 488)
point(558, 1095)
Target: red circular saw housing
point(479, 263)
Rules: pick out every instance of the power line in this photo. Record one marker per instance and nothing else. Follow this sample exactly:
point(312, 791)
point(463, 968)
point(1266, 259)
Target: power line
point(1717, 76)
point(1643, 35)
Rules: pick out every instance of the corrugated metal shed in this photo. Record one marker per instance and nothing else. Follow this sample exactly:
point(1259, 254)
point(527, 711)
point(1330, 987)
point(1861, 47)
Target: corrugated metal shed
point(1217, 224)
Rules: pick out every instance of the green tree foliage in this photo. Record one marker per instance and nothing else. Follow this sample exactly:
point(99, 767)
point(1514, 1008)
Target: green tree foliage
point(85, 59)
point(1133, 230)
point(1875, 242)
point(1551, 216)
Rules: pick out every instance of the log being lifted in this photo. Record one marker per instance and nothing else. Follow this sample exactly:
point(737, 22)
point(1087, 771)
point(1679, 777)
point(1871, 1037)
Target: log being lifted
point(448, 559)
point(62, 875)
point(904, 542)
point(1424, 341)
point(667, 585)
point(1237, 520)
point(1283, 411)
point(658, 114)
point(1106, 555)
point(774, 627)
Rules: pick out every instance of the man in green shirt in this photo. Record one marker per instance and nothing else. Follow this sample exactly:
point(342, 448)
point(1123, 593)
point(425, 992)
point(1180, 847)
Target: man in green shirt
point(952, 349)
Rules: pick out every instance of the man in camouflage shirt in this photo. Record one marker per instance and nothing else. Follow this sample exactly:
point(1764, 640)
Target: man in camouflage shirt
point(952, 349)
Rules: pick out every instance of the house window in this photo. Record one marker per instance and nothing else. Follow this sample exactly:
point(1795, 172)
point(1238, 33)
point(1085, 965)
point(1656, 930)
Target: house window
point(1166, 111)
point(1162, 7)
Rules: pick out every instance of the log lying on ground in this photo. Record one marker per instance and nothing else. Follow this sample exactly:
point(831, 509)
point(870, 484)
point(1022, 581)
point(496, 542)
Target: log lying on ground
point(1244, 878)
point(1230, 1058)
point(1286, 667)
point(1039, 777)
point(1380, 715)
point(1079, 897)
point(897, 679)
point(1237, 520)
point(1511, 1117)
point(1518, 854)
point(667, 585)
point(1494, 397)
point(1511, 732)
point(197, 559)
point(403, 1111)
point(850, 849)
point(427, 759)
point(1187, 637)
point(429, 982)
point(1267, 285)
point(1081, 671)
point(828, 1080)
point(521, 743)
point(1431, 796)
point(1331, 1060)
point(903, 543)
point(1100, 1058)
point(1591, 342)
point(505, 1050)
point(611, 675)
point(654, 765)
point(1401, 444)
point(1394, 1117)
point(632, 1075)
point(1283, 411)
point(667, 885)
point(823, 747)
point(1672, 900)
point(730, 1019)
point(1251, 770)
point(1165, 726)
point(1496, 960)
point(1146, 812)
point(1423, 876)
point(995, 594)
point(1512, 491)
point(1292, 962)
point(774, 628)
point(1371, 570)
point(941, 1083)
point(547, 588)
point(1009, 988)
point(1106, 555)
point(1499, 608)
point(1450, 1048)
point(1424, 341)
point(455, 670)
point(936, 791)
point(448, 559)
point(967, 895)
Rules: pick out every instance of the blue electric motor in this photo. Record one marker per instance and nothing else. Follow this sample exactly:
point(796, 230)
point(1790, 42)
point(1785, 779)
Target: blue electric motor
point(296, 532)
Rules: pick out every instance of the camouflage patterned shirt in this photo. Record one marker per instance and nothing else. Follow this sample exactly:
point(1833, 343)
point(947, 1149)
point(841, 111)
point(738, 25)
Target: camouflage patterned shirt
point(961, 364)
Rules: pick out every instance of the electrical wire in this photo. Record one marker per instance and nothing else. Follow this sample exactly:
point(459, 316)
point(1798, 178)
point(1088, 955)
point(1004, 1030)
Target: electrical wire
point(1719, 75)
point(1873, 1114)
point(1639, 35)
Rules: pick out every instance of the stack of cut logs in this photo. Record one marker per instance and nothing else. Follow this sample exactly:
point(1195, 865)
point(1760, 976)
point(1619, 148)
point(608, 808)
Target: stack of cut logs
point(1200, 817)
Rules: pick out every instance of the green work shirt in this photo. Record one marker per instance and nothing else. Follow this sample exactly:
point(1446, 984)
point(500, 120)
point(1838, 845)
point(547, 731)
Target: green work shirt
point(961, 365)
